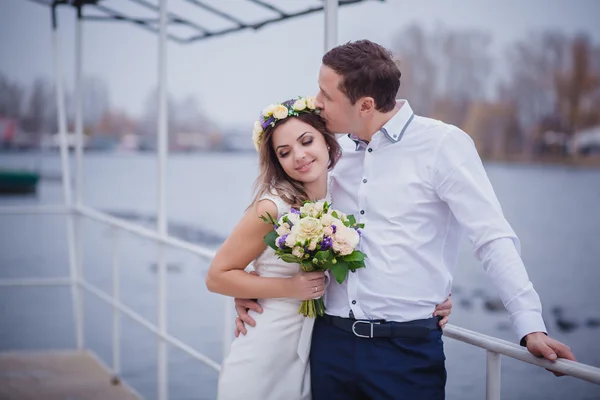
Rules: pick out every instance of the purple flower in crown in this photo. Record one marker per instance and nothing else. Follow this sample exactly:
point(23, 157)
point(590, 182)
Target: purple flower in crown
point(281, 241)
point(326, 243)
point(268, 122)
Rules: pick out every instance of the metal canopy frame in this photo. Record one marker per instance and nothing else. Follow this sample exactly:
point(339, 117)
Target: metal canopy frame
point(201, 33)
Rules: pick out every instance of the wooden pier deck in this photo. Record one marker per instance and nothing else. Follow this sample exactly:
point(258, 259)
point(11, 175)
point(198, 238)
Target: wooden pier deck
point(57, 375)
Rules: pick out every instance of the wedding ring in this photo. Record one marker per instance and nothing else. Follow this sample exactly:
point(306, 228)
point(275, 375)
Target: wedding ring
point(316, 289)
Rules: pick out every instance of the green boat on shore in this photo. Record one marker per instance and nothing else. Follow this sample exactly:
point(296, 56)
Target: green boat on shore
point(18, 181)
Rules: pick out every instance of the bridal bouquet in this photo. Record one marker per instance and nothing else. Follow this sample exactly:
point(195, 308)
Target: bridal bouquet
point(318, 238)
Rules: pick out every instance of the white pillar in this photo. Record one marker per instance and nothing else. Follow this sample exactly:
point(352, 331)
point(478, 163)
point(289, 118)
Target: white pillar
point(66, 183)
point(331, 24)
point(162, 217)
point(493, 375)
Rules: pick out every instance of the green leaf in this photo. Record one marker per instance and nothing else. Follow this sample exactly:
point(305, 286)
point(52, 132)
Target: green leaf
point(351, 220)
point(289, 258)
point(340, 271)
point(323, 255)
point(335, 214)
point(270, 239)
point(354, 265)
point(354, 256)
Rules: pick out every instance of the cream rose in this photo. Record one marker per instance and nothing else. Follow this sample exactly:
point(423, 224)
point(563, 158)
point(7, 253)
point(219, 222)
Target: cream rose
point(346, 235)
point(299, 105)
point(283, 229)
point(298, 251)
point(290, 240)
point(328, 231)
point(310, 102)
point(342, 248)
point(256, 133)
point(309, 209)
point(280, 111)
point(307, 229)
point(268, 111)
point(328, 220)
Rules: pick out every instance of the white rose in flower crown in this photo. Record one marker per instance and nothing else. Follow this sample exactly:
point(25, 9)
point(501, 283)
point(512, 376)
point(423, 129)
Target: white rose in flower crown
point(283, 229)
point(346, 235)
point(307, 229)
point(299, 105)
point(268, 111)
point(310, 102)
point(280, 111)
point(298, 251)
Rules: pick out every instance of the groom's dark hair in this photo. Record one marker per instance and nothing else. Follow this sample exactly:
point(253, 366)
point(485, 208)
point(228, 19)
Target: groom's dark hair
point(367, 69)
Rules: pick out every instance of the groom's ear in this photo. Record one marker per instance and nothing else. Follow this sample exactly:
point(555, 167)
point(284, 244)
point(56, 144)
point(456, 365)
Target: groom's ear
point(367, 105)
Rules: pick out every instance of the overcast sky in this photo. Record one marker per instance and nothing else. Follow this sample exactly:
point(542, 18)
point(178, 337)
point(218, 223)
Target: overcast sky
point(235, 76)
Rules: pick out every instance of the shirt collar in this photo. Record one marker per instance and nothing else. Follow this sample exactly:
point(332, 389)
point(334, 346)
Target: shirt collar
point(394, 129)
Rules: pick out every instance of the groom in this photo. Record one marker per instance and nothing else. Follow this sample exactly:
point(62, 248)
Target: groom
point(418, 185)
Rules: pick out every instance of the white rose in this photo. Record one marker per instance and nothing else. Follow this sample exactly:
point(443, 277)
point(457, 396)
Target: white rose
point(283, 229)
point(309, 209)
point(293, 218)
point(298, 251)
point(319, 206)
point(299, 105)
point(307, 229)
point(328, 220)
point(268, 111)
point(328, 231)
point(280, 111)
point(347, 235)
point(312, 245)
point(342, 248)
point(310, 102)
point(256, 133)
point(290, 241)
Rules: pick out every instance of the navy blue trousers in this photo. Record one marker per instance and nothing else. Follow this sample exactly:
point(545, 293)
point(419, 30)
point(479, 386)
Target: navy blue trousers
point(344, 366)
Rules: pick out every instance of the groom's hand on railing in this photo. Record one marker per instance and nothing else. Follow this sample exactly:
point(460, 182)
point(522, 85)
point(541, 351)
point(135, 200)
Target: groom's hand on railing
point(541, 345)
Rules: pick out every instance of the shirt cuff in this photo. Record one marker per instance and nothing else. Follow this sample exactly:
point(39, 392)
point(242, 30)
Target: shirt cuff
point(527, 322)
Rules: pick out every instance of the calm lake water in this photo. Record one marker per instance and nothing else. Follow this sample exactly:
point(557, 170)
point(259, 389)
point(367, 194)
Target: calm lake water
point(554, 210)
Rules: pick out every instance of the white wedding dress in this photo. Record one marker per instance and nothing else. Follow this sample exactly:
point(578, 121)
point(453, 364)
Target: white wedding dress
point(270, 362)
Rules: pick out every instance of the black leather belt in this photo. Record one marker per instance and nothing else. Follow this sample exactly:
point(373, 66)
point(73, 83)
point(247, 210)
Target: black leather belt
point(419, 328)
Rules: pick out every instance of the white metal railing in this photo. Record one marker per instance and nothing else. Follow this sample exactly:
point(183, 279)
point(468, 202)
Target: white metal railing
point(494, 347)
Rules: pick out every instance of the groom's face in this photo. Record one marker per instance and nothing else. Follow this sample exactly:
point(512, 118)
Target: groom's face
point(339, 114)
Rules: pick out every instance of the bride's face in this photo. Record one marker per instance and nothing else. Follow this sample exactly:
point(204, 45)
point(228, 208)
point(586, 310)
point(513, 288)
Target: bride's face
point(301, 150)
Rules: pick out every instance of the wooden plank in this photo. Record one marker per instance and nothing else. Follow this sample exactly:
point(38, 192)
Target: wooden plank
point(57, 375)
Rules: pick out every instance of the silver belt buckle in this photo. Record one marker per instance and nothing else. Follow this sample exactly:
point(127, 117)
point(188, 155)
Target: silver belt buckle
point(363, 322)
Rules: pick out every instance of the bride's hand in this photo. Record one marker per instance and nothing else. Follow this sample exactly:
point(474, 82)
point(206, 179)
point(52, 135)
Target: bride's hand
point(307, 285)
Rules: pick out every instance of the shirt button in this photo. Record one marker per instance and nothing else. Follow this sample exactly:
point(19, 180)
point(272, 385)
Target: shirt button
point(353, 301)
point(362, 211)
point(364, 181)
point(370, 150)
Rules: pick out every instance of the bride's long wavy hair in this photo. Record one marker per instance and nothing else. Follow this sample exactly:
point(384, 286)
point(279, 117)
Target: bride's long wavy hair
point(273, 179)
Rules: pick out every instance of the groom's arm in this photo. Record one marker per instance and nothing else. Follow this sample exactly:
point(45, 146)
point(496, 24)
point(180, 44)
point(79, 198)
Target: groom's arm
point(460, 180)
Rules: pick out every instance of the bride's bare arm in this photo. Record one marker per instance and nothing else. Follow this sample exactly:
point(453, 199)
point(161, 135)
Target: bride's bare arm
point(226, 274)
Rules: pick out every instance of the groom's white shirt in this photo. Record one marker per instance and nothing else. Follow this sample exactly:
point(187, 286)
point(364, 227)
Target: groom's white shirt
point(418, 186)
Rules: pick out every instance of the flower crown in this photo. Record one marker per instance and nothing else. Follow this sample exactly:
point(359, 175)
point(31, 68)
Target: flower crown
point(276, 112)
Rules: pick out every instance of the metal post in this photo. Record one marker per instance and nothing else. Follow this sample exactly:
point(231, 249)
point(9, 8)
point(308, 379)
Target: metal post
point(493, 371)
point(66, 182)
point(116, 313)
point(162, 218)
point(78, 220)
point(331, 24)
